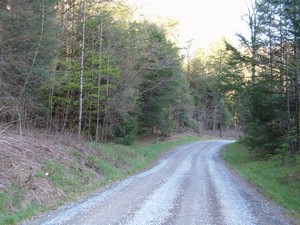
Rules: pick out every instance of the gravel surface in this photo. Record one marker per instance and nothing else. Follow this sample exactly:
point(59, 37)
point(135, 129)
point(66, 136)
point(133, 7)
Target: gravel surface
point(190, 185)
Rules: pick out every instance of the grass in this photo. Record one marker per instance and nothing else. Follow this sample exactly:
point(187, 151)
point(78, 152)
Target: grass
point(277, 180)
point(10, 201)
point(136, 157)
point(105, 168)
point(67, 177)
point(82, 174)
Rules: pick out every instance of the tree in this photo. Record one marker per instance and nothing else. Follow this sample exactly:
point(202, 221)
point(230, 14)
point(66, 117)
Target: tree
point(83, 3)
point(215, 81)
point(271, 100)
point(27, 37)
point(161, 69)
point(101, 75)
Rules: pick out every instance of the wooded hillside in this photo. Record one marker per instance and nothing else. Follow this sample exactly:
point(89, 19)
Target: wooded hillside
point(88, 67)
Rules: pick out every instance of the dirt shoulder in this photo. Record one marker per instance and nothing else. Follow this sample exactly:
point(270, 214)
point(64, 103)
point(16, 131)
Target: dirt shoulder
point(30, 170)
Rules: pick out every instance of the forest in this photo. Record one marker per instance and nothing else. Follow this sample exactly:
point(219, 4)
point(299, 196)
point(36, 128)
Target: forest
point(88, 67)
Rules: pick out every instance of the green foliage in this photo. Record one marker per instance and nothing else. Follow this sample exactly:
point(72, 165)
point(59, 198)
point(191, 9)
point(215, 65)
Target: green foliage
point(131, 72)
point(126, 132)
point(75, 154)
point(263, 132)
point(162, 83)
point(12, 197)
point(215, 79)
point(269, 104)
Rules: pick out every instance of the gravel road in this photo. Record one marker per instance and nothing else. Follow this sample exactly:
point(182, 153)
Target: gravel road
point(190, 185)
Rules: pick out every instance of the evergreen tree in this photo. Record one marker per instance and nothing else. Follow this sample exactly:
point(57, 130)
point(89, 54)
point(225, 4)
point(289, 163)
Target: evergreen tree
point(270, 99)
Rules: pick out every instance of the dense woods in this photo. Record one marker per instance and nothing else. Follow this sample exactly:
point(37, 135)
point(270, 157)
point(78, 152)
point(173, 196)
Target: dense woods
point(269, 95)
point(88, 67)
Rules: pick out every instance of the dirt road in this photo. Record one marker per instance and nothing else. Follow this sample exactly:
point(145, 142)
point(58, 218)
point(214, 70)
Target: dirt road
point(190, 185)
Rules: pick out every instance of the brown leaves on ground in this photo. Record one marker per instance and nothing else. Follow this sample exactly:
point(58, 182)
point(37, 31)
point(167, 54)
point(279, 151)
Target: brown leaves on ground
point(21, 160)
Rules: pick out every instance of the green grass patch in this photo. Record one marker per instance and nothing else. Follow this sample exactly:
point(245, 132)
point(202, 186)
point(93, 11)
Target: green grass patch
point(130, 159)
point(11, 209)
point(68, 177)
point(107, 170)
point(278, 180)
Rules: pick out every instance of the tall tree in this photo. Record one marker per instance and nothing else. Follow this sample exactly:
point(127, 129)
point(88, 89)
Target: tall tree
point(101, 75)
point(271, 100)
point(27, 41)
point(83, 6)
point(215, 81)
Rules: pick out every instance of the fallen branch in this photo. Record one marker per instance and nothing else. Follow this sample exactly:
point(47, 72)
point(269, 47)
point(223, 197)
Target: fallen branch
point(2, 131)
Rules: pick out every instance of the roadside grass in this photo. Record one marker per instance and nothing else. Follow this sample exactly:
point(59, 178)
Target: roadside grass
point(11, 209)
point(123, 160)
point(67, 177)
point(276, 179)
point(83, 174)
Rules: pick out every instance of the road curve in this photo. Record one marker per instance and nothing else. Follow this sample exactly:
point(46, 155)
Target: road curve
point(190, 185)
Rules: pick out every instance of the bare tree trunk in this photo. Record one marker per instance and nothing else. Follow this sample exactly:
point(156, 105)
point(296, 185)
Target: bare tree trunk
point(22, 91)
point(2, 60)
point(104, 135)
point(297, 43)
point(36, 52)
point(176, 118)
point(253, 24)
point(81, 69)
point(271, 60)
point(297, 39)
point(252, 43)
point(66, 113)
point(50, 103)
point(20, 123)
point(220, 120)
point(297, 119)
point(215, 117)
point(99, 83)
point(90, 121)
point(288, 99)
point(106, 115)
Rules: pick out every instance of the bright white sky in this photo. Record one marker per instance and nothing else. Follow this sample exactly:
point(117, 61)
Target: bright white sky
point(204, 21)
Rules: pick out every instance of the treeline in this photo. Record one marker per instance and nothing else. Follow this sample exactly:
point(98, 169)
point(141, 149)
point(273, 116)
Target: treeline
point(268, 98)
point(86, 66)
point(256, 86)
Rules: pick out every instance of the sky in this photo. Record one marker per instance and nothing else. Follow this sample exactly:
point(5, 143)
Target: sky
point(202, 21)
